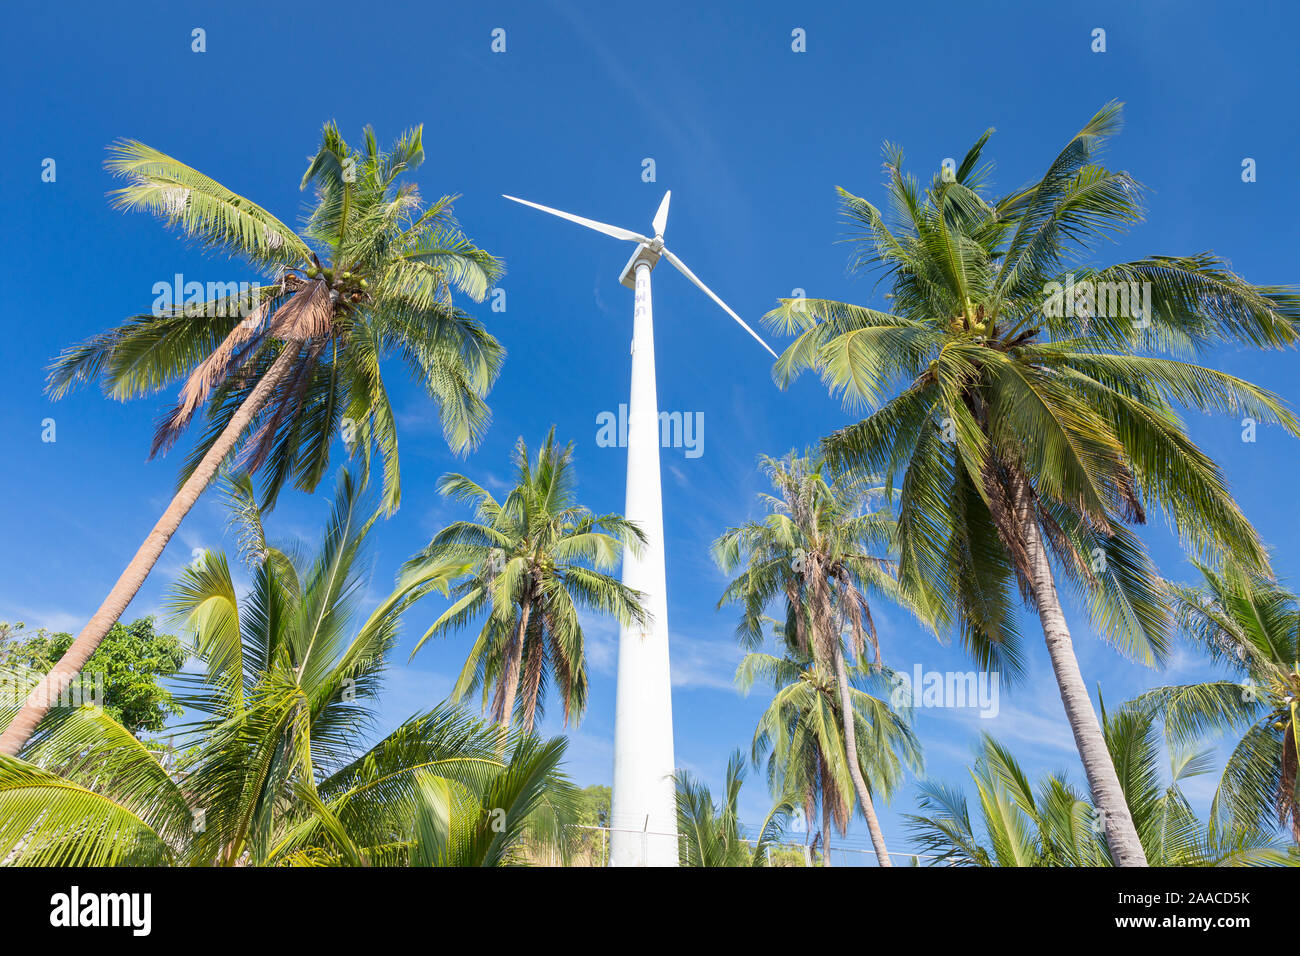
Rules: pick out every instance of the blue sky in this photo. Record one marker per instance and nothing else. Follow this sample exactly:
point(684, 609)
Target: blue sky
point(751, 137)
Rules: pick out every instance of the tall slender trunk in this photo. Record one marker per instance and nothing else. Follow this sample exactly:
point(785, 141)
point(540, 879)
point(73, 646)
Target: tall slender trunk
point(826, 833)
point(60, 677)
point(827, 643)
point(1107, 795)
point(1290, 749)
point(510, 677)
point(855, 768)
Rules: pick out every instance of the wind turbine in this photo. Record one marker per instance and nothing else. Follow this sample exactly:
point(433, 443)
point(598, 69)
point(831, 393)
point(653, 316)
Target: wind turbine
point(643, 817)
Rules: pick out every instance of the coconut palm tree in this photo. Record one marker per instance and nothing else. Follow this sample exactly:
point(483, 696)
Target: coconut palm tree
point(814, 550)
point(286, 366)
point(711, 835)
point(1031, 410)
point(1251, 625)
point(528, 563)
point(1053, 824)
point(802, 739)
point(278, 773)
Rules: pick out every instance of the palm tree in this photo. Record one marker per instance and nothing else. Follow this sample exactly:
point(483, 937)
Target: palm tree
point(284, 368)
point(711, 835)
point(1054, 825)
point(1251, 625)
point(530, 562)
point(1030, 424)
point(278, 773)
point(801, 734)
point(813, 550)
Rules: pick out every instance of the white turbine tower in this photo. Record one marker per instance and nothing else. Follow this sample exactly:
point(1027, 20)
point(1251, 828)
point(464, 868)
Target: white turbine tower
point(643, 818)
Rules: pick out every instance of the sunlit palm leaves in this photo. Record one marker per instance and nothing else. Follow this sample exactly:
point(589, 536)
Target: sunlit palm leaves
point(710, 834)
point(1250, 625)
point(279, 773)
point(1016, 823)
point(90, 794)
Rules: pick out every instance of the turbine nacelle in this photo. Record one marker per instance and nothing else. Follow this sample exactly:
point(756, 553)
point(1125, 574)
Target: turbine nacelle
point(647, 253)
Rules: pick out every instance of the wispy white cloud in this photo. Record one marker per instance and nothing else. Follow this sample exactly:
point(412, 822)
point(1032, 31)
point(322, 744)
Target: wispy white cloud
point(695, 662)
point(1047, 731)
point(420, 418)
point(495, 483)
point(703, 662)
point(1037, 721)
point(52, 619)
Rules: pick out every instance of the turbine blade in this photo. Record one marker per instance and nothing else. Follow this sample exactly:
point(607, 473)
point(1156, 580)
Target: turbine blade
point(681, 267)
point(606, 228)
point(661, 217)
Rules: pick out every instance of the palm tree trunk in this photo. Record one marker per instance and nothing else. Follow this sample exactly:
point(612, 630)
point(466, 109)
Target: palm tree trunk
point(1290, 750)
point(829, 640)
point(510, 678)
point(855, 768)
point(1107, 795)
point(60, 677)
point(826, 833)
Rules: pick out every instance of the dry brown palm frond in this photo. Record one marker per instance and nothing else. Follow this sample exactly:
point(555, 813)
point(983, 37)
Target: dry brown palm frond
point(1010, 499)
point(534, 659)
point(1074, 564)
point(1132, 508)
point(800, 626)
point(497, 712)
point(564, 680)
point(862, 626)
point(241, 342)
point(288, 397)
point(308, 315)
